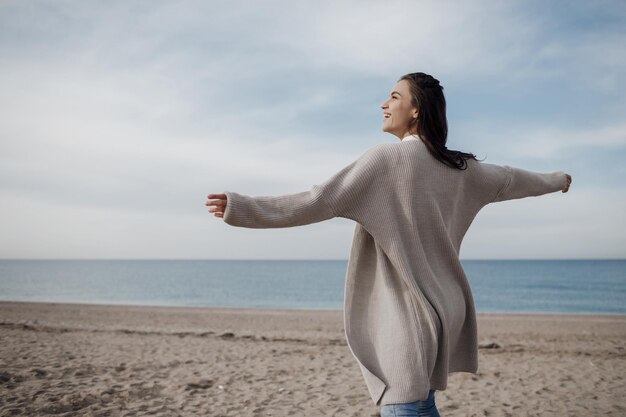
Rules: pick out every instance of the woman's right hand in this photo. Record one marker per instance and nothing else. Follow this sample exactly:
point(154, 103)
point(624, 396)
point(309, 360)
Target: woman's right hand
point(569, 181)
point(219, 201)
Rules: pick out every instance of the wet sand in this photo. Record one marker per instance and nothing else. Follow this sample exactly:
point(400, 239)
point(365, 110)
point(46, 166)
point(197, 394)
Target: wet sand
point(106, 360)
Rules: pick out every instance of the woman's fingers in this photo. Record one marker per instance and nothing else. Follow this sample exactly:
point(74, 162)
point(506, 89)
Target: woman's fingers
point(215, 203)
point(219, 201)
point(220, 205)
point(569, 181)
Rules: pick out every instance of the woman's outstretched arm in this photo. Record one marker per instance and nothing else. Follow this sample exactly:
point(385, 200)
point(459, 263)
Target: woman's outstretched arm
point(332, 198)
point(511, 183)
point(264, 212)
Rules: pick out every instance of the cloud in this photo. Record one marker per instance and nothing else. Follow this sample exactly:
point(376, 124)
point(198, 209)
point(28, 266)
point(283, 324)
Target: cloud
point(120, 109)
point(396, 37)
point(577, 224)
point(544, 141)
point(122, 145)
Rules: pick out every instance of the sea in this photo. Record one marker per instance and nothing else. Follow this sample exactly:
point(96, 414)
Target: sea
point(498, 286)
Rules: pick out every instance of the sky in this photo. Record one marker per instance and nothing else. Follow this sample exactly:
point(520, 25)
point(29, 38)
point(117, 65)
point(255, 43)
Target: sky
point(120, 117)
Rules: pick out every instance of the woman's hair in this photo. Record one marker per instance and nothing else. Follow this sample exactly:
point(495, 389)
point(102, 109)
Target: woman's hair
point(431, 123)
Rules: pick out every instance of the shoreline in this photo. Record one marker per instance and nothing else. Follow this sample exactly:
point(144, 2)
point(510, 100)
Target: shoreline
point(130, 360)
point(311, 310)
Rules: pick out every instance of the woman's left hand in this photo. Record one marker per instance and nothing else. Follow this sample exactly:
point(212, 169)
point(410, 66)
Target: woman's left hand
point(568, 182)
point(219, 203)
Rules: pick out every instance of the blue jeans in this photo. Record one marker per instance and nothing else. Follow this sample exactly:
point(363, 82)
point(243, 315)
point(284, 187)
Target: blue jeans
point(419, 408)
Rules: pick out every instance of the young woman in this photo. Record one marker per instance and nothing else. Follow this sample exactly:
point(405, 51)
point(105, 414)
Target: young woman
point(409, 314)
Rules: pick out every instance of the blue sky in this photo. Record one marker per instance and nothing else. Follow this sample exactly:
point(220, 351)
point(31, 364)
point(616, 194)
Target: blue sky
point(120, 117)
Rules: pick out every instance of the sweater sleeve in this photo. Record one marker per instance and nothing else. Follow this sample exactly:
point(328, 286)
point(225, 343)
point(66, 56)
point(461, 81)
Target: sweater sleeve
point(323, 201)
point(516, 183)
point(264, 212)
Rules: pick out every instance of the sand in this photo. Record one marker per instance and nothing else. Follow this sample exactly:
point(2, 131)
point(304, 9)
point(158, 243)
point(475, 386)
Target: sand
point(103, 360)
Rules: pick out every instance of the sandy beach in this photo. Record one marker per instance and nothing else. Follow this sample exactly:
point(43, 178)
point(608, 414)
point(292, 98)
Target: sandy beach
point(103, 360)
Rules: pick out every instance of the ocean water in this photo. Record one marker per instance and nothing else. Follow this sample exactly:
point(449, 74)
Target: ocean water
point(533, 286)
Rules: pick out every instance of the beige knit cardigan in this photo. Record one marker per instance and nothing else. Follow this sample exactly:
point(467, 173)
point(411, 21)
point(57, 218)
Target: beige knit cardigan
point(409, 314)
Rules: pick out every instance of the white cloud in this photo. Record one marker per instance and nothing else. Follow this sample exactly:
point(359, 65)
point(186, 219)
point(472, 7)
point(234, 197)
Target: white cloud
point(542, 141)
point(379, 39)
point(107, 144)
point(578, 224)
point(122, 109)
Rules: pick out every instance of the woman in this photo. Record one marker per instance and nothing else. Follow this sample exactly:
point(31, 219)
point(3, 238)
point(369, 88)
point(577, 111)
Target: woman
point(409, 314)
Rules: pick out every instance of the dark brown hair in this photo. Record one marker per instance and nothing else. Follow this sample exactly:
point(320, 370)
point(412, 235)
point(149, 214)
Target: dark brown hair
point(431, 123)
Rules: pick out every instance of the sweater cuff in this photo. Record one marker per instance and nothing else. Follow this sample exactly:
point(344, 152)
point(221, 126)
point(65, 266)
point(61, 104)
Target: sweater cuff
point(560, 180)
point(233, 202)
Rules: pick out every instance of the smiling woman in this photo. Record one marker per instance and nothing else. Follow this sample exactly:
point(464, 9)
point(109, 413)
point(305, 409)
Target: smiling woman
point(417, 106)
point(399, 112)
point(409, 313)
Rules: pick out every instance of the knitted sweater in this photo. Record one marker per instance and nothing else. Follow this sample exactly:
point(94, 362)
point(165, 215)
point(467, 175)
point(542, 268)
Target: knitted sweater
point(409, 314)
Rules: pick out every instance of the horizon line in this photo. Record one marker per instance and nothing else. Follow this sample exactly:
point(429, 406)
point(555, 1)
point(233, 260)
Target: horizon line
point(295, 259)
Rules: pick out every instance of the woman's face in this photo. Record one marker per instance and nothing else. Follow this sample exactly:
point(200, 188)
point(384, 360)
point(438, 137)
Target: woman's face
point(398, 112)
